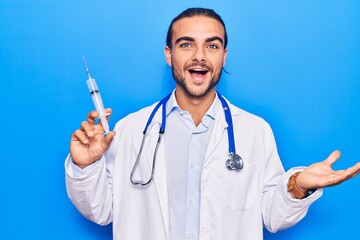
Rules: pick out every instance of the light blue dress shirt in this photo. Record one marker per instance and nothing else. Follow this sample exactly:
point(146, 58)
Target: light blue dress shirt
point(185, 147)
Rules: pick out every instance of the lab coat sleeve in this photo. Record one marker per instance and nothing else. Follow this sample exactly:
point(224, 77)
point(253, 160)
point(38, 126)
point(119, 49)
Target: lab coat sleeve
point(91, 192)
point(279, 209)
point(75, 171)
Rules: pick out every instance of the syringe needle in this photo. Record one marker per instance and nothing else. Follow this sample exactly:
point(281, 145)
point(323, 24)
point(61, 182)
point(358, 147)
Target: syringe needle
point(86, 67)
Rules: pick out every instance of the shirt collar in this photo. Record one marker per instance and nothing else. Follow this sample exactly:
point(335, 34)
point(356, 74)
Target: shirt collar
point(172, 105)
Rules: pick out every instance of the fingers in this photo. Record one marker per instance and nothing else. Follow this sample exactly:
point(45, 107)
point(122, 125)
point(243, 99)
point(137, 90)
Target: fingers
point(87, 131)
point(81, 136)
point(109, 137)
point(89, 127)
point(343, 175)
point(109, 112)
point(333, 157)
point(339, 177)
point(352, 171)
point(92, 116)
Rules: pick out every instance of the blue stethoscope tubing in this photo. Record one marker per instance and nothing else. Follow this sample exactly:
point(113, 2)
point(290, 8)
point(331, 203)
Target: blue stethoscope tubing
point(230, 128)
point(234, 162)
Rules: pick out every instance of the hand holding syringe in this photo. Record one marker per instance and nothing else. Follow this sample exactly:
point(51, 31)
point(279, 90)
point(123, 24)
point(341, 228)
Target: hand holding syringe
point(96, 98)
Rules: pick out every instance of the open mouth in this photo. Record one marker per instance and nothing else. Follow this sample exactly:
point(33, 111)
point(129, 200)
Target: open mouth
point(198, 73)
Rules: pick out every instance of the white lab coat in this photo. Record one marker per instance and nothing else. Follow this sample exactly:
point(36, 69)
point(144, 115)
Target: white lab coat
point(234, 205)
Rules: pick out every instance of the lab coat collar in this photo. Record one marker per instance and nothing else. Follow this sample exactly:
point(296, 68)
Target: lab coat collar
point(218, 131)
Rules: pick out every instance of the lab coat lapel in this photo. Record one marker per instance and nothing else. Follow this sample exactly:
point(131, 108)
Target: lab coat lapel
point(218, 133)
point(160, 178)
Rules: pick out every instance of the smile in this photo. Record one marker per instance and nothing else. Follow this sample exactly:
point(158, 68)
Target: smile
point(198, 72)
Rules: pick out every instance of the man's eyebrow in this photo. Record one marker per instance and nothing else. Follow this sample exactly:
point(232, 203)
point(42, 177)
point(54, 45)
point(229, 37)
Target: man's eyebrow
point(189, 39)
point(214, 39)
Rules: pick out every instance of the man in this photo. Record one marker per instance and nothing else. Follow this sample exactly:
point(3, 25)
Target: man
point(193, 194)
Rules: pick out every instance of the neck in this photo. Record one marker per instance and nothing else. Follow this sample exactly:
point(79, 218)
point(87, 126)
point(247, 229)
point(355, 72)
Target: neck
point(196, 106)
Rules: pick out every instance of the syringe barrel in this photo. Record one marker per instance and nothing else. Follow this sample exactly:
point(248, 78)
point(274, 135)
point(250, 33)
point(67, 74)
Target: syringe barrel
point(95, 95)
point(104, 123)
point(96, 98)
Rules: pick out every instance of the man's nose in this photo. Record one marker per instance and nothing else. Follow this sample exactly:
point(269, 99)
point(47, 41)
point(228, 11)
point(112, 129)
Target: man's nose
point(199, 55)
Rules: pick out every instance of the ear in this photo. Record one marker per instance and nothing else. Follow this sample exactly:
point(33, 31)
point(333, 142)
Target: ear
point(167, 52)
point(225, 55)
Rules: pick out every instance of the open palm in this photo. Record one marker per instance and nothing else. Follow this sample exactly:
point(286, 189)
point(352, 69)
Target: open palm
point(321, 174)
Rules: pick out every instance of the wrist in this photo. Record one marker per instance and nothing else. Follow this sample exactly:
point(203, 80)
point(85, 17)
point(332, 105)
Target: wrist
point(81, 166)
point(295, 191)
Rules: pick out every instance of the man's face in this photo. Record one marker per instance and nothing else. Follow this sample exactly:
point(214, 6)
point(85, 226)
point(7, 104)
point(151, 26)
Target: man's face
point(197, 55)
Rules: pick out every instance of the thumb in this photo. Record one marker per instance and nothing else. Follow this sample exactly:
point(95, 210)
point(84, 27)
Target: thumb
point(109, 137)
point(108, 112)
point(333, 157)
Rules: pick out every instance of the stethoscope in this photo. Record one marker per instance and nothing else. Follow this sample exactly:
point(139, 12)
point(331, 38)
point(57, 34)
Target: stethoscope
point(234, 161)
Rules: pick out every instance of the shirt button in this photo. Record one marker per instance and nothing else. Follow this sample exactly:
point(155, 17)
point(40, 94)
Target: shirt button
point(192, 165)
point(190, 236)
point(181, 112)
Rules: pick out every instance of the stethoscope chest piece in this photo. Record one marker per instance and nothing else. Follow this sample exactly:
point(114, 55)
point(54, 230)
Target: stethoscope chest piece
point(234, 162)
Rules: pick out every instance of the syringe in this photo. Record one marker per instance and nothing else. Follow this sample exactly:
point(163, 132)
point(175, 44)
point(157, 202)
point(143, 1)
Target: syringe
point(96, 98)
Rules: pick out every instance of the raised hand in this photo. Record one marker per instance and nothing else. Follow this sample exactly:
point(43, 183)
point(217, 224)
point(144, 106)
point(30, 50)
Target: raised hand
point(320, 175)
point(88, 143)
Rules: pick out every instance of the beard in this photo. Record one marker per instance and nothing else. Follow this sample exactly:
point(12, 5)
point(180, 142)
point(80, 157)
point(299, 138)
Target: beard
point(181, 81)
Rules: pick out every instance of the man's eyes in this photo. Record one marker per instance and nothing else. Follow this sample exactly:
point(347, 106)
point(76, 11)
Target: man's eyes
point(212, 46)
point(185, 45)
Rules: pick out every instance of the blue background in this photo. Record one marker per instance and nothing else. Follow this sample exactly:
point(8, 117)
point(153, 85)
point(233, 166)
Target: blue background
point(295, 63)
